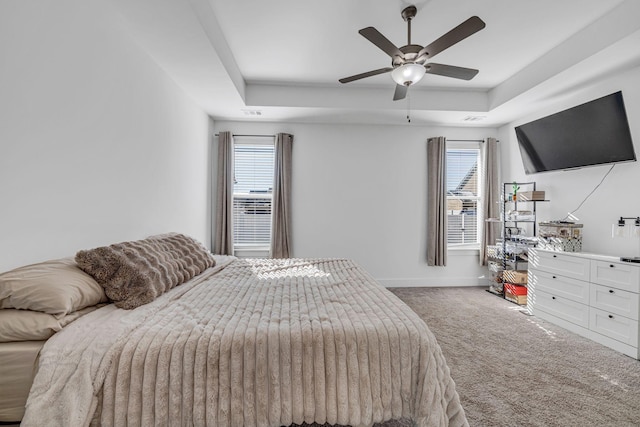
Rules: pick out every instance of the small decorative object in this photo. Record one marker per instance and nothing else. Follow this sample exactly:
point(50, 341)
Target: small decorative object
point(527, 196)
point(520, 215)
point(515, 187)
point(562, 236)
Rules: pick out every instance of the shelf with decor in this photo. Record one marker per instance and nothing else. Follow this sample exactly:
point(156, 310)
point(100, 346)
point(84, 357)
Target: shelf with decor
point(509, 257)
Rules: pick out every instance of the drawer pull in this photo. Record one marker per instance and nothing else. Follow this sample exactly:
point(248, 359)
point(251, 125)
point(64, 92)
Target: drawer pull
point(555, 256)
point(611, 291)
point(611, 265)
point(611, 316)
point(553, 297)
point(554, 277)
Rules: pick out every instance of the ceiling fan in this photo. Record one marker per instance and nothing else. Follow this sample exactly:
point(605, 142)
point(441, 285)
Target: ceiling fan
point(409, 62)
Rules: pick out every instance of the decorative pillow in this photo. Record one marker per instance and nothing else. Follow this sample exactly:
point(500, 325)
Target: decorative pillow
point(135, 273)
point(27, 325)
point(56, 287)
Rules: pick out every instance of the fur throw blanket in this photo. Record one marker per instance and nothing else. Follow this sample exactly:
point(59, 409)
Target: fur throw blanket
point(136, 273)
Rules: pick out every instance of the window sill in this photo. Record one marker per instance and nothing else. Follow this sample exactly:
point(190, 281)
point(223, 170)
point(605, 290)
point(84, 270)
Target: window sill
point(463, 250)
point(251, 252)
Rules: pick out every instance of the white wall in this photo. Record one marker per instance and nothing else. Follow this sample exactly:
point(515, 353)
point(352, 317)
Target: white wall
point(97, 144)
point(618, 194)
point(359, 191)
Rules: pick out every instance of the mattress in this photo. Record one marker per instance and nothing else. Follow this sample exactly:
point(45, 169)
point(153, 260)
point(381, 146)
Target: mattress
point(251, 343)
point(18, 364)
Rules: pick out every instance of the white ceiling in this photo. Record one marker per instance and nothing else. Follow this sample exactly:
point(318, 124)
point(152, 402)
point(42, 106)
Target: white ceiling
point(283, 58)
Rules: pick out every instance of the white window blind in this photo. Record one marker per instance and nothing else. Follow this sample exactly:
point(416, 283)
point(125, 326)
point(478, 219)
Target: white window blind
point(252, 193)
point(463, 193)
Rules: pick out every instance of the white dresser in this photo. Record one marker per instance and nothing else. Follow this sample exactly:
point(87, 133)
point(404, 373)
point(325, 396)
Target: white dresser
point(596, 296)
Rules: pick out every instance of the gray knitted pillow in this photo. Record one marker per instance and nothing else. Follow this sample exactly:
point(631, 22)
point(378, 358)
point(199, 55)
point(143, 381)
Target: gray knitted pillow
point(135, 273)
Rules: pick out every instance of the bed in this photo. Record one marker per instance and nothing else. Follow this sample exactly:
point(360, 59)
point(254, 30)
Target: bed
point(18, 364)
point(244, 342)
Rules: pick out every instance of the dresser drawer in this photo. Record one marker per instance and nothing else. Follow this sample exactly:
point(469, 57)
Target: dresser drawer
point(572, 289)
point(614, 326)
point(620, 275)
point(615, 300)
point(565, 309)
point(559, 263)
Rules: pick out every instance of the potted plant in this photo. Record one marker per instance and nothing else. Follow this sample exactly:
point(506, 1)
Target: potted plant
point(515, 188)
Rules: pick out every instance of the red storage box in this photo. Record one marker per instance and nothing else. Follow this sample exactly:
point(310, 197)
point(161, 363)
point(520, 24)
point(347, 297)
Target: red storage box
point(515, 293)
point(515, 289)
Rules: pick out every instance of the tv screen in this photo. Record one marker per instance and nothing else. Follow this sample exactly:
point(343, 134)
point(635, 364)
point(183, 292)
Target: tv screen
point(593, 133)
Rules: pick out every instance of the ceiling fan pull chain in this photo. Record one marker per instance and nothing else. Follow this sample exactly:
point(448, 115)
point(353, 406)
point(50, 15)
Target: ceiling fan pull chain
point(408, 108)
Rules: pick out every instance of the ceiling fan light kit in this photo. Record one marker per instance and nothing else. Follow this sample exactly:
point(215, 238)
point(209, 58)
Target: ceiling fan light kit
point(409, 62)
point(408, 74)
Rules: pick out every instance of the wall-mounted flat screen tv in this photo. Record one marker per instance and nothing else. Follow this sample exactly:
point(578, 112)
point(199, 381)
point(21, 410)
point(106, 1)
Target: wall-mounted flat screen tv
point(593, 133)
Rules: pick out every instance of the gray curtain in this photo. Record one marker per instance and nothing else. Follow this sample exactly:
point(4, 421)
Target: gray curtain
point(281, 209)
point(223, 243)
point(490, 208)
point(436, 202)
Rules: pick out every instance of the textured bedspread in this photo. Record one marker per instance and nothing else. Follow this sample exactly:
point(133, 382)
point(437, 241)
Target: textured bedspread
point(249, 343)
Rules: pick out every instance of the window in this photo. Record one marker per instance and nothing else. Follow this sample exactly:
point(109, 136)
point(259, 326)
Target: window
point(252, 195)
point(463, 194)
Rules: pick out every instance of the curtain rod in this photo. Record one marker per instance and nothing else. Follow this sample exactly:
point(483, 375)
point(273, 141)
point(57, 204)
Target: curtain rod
point(254, 136)
point(273, 136)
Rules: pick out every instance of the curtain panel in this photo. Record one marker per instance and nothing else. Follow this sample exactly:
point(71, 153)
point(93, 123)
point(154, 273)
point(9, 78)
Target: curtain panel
point(436, 202)
point(490, 208)
point(223, 242)
point(281, 205)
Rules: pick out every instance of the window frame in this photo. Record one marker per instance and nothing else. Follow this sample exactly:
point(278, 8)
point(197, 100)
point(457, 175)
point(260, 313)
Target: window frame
point(252, 249)
point(470, 146)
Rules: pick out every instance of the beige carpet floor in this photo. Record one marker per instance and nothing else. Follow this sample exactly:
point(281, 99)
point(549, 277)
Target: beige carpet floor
point(516, 370)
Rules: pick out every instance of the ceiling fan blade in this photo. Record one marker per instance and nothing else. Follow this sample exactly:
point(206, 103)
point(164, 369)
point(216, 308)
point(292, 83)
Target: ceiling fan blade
point(459, 33)
point(375, 37)
point(451, 71)
point(400, 93)
point(367, 74)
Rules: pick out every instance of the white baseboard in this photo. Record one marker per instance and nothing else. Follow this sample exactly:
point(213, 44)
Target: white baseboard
point(433, 282)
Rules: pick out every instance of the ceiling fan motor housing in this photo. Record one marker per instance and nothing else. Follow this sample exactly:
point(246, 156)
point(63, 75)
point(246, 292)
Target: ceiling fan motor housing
point(410, 53)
